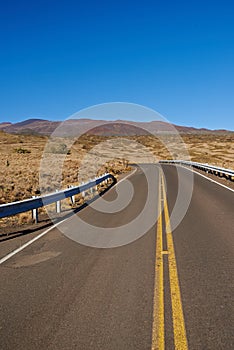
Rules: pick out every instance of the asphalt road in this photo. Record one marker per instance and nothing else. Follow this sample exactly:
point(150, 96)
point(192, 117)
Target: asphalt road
point(169, 287)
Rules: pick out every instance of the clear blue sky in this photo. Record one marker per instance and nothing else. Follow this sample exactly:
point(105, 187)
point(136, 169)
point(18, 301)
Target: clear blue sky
point(173, 56)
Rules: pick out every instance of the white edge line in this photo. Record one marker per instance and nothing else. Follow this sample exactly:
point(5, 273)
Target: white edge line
point(218, 183)
point(8, 256)
point(126, 177)
point(14, 252)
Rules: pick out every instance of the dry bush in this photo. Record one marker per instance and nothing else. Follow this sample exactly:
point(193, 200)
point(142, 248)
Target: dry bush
point(25, 218)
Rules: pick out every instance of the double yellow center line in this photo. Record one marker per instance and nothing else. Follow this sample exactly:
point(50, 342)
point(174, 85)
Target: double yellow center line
point(158, 330)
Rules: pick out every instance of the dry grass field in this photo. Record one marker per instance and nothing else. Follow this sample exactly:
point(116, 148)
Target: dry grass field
point(20, 158)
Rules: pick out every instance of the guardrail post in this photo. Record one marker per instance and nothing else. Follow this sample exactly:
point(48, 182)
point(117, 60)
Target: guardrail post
point(35, 213)
point(73, 200)
point(95, 186)
point(91, 188)
point(72, 197)
point(83, 192)
point(58, 206)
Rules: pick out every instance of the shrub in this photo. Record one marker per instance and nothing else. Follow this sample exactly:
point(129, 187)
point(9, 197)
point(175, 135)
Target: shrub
point(22, 150)
point(59, 148)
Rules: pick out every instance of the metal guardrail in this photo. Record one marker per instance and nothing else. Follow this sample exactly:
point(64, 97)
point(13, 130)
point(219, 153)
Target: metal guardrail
point(38, 202)
point(218, 171)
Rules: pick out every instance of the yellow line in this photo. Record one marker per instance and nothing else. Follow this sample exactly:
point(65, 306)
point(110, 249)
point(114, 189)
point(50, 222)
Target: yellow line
point(180, 339)
point(158, 312)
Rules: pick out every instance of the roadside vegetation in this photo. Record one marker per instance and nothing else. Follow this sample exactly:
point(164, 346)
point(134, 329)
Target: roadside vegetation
point(20, 158)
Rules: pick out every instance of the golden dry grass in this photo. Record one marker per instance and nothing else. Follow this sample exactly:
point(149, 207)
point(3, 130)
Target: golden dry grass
point(19, 171)
point(215, 149)
point(20, 159)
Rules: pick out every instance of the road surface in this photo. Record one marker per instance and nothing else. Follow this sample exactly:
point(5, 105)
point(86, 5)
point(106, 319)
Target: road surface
point(168, 289)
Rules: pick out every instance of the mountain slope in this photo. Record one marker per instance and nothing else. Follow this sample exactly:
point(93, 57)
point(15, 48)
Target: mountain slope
point(73, 127)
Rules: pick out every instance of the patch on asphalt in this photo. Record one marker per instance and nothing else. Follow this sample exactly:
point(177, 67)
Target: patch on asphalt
point(28, 260)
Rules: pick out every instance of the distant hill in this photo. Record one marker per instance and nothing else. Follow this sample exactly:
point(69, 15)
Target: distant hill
point(4, 125)
point(75, 127)
point(33, 126)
